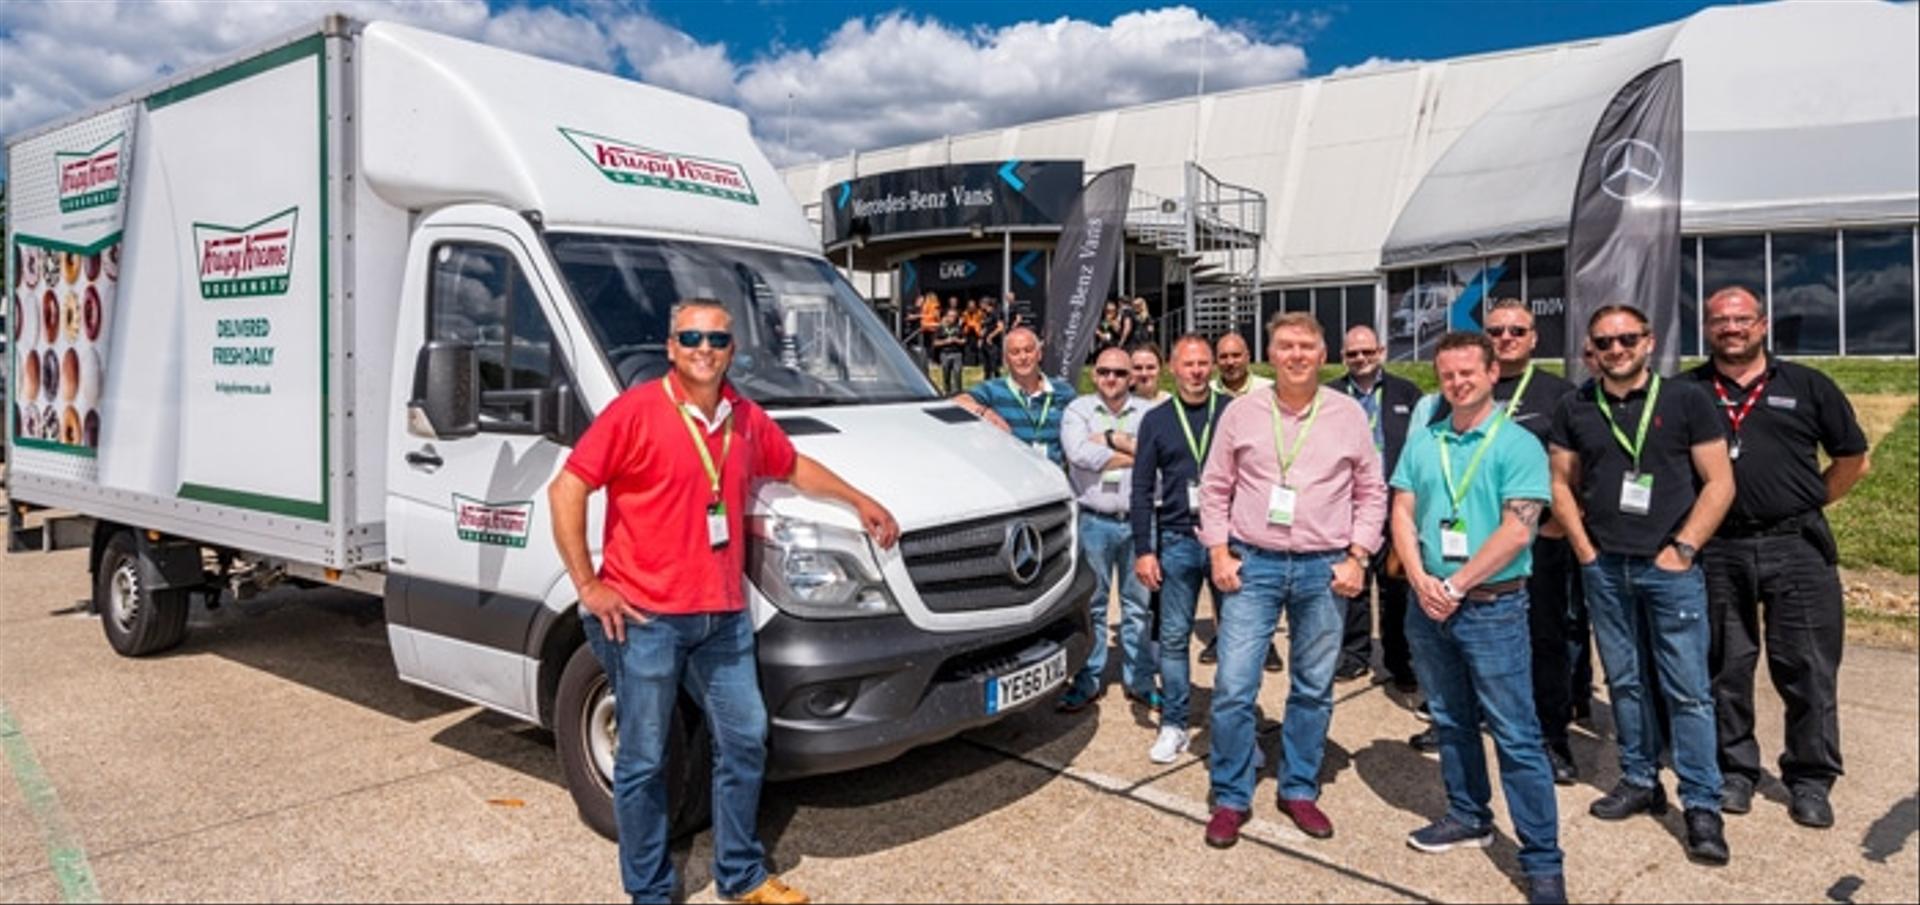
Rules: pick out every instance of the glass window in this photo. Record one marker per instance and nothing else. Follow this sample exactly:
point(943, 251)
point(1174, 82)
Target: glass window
point(1731, 261)
point(1690, 296)
point(1547, 297)
point(1299, 300)
point(1434, 293)
point(1401, 315)
point(478, 295)
point(1880, 303)
point(1328, 308)
point(1806, 294)
point(1360, 306)
point(1503, 282)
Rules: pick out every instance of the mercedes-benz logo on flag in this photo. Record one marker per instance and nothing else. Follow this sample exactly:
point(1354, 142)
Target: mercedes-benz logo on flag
point(1022, 552)
point(1633, 169)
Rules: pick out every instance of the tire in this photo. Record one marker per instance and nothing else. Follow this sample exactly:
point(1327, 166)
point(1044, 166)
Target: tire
point(139, 620)
point(583, 726)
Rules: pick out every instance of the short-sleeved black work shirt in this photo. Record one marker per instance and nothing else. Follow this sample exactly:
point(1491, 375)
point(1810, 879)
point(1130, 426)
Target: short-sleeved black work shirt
point(1798, 412)
point(1535, 410)
point(1683, 417)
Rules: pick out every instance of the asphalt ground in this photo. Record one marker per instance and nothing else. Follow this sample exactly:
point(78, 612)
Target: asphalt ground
point(274, 756)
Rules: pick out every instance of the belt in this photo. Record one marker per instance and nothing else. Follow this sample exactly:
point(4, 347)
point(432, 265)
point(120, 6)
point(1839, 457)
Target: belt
point(1778, 528)
point(1109, 516)
point(1488, 593)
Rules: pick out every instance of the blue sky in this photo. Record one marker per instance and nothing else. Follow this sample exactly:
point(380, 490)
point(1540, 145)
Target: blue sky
point(820, 78)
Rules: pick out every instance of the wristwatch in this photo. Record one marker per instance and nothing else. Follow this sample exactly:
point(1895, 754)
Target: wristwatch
point(1446, 584)
point(1109, 438)
point(1687, 551)
point(1363, 558)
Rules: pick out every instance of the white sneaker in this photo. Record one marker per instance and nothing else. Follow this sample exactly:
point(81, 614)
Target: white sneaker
point(1171, 743)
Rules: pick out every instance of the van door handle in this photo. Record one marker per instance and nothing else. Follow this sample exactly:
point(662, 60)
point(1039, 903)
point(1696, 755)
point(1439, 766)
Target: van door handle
point(426, 458)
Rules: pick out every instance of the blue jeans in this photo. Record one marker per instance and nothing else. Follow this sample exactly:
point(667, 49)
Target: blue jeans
point(713, 657)
point(1108, 546)
point(1272, 582)
point(1183, 571)
point(1479, 663)
point(1651, 624)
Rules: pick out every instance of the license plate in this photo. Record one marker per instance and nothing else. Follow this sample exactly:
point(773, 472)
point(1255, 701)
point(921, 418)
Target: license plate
point(1024, 684)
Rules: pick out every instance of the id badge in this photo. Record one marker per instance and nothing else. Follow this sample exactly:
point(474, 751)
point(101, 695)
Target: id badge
point(1453, 541)
point(1039, 449)
point(1193, 497)
point(717, 525)
point(1110, 480)
point(1733, 449)
point(1280, 506)
point(1636, 493)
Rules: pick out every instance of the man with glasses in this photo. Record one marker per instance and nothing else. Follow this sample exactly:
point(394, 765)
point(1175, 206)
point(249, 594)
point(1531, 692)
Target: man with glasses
point(666, 610)
point(1026, 403)
point(1467, 498)
point(1097, 434)
point(1775, 548)
point(1388, 402)
point(1292, 505)
point(1168, 558)
point(1640, 480)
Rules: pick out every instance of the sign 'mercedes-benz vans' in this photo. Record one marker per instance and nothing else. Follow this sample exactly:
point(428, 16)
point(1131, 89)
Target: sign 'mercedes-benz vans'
point(379, 280)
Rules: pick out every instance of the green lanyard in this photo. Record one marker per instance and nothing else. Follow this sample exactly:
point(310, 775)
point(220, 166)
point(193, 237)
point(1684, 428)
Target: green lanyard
point(700, 443)
point(1280, 450)
point(1519, 392)
point(1646, 417)
point(1459, 491)
point(1379, 398)
point(1045, 408)
point(1206, 437)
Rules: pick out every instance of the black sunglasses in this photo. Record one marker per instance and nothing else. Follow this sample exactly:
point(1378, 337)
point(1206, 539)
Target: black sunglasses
point(691, 339)
point(1515, 330)
point(1113, 372)
point(1626, 341)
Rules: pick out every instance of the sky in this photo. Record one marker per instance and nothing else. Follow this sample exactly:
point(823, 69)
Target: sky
point(819, 78)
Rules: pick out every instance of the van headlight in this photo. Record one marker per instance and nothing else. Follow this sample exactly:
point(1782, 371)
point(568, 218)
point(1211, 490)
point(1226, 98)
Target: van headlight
point(816, 571)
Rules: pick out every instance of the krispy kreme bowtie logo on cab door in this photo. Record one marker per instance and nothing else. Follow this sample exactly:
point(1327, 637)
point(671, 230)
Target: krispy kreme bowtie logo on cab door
point(90, 178)
point(241, 261)
point(631, 164)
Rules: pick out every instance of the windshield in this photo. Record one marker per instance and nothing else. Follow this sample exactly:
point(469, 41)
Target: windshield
point(802, 336)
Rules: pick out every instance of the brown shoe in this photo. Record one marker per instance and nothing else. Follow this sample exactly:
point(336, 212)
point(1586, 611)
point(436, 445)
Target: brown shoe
point(1307, 816)
point(774, 892)
point(1224, 829)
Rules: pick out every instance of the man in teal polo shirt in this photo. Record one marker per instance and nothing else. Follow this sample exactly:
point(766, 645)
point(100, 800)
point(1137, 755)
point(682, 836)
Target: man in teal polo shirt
point(1467, 501)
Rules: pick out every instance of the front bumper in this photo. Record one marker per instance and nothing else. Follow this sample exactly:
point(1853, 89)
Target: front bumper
point(889, 686)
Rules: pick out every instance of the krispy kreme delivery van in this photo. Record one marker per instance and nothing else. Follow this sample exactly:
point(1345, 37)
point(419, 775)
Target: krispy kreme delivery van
point(333, 311)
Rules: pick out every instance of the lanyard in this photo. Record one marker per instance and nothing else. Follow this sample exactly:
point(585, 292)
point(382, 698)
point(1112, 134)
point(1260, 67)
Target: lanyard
point(1377, 394)
point(1459, 491)
point(1737, 414)
point(1646, 417)
point(1039, 424)
point(1280, 451)
point(1519, 392)
point(700, 443)
point(1199, 449)
point(1117, 422)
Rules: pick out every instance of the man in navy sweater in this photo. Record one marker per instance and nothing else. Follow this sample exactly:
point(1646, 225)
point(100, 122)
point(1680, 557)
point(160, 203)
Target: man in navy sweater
point(1168, 454)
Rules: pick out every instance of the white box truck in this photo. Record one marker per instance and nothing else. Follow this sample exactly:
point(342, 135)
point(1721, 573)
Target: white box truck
point(331, 312)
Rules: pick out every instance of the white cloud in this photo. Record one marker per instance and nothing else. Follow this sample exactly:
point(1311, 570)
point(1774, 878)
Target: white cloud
point(874, 82)
point(1372, 64)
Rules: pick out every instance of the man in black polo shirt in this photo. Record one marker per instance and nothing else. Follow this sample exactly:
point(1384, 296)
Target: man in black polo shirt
point(1388, 401)
point(1640, 480)
point(1775, 547)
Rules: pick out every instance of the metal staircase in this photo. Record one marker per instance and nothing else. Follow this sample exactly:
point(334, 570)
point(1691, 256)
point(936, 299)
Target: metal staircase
point(1212, 238)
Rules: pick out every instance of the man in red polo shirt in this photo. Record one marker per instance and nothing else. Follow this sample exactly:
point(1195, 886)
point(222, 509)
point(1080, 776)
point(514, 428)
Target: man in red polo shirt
point(677, 457)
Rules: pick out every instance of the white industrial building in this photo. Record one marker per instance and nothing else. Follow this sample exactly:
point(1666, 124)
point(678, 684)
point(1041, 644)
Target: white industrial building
point(1394, 196)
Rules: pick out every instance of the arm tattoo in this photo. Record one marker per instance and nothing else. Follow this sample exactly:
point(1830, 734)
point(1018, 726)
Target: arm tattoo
point(1526, 511)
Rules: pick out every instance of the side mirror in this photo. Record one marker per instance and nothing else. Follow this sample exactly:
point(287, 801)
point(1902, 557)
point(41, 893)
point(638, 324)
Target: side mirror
point(446, 390)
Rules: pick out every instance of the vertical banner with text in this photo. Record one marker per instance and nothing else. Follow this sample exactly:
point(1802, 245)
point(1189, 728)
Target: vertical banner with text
point(1083, 269)
point(1623, 239)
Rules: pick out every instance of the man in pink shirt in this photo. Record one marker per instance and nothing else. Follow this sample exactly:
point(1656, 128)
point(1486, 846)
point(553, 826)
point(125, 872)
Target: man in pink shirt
point(1292, 503)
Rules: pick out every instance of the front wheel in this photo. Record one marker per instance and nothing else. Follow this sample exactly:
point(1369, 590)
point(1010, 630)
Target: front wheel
point(140, 618)
point(585, 734)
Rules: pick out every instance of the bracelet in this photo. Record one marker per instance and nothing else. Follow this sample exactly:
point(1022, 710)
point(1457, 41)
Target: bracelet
point(1446, 584)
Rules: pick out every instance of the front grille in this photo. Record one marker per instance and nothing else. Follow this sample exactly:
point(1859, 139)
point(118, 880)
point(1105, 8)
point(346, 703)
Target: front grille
point(961, 568)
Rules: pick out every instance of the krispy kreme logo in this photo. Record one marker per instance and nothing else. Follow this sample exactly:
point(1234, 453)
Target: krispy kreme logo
point(90, 178)
point(631, 164)
point(498, 524)
point(238, 261)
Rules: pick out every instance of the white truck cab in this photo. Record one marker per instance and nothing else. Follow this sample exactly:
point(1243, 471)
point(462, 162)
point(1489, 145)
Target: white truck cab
point(501, 242)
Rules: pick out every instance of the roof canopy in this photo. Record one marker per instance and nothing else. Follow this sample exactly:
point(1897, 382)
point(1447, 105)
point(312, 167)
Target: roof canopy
point(1797, 111)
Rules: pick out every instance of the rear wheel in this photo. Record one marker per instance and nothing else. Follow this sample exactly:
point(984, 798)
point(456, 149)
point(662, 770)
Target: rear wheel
point(139, 617)
point(585, 734)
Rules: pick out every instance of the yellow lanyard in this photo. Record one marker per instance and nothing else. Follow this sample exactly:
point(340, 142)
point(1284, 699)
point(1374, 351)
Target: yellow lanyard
point(700, 442)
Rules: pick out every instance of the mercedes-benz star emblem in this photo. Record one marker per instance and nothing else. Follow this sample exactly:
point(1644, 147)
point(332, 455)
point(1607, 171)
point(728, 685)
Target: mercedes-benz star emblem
point(1633, 168)
point(1022, 551)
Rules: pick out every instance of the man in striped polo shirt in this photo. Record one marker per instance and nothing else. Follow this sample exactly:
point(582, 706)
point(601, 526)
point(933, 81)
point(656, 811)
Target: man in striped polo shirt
point(1027, 404)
